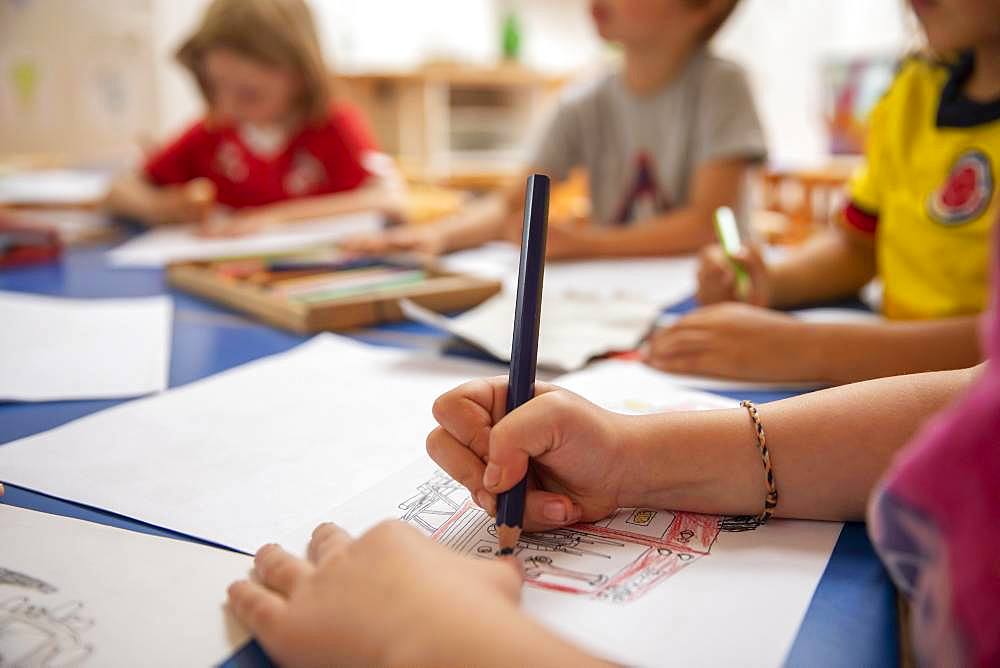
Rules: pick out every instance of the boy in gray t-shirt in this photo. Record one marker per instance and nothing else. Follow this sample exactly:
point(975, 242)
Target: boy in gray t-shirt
point(665, 140)
point(642, 152)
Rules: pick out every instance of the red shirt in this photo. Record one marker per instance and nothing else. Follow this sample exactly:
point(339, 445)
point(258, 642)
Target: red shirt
point(319, 160)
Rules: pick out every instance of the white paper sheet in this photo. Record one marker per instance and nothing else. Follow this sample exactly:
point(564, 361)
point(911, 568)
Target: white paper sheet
point(54, 186)
point(240, 457)
point(633, 388)
point(663, 281)
point(818, 315)
point(74, 593)
point(54, 348)
point(645, 586)
point(574, 328)
point(166, 244)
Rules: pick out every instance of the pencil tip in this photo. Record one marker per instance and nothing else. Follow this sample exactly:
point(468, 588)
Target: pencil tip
point(507, 538)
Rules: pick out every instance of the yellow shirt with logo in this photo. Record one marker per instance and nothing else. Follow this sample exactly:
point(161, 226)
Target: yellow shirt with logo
point(928, 192)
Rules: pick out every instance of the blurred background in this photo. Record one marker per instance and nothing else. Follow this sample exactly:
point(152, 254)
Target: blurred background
point(453, 88)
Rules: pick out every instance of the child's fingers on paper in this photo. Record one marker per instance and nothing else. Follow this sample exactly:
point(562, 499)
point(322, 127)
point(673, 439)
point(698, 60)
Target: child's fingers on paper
point(258, 608)
point(279, 570)
point(712, 317)
point(549, 510)
point(691, 363)
point(679, 342)
point(462, 464)
point(328, 541)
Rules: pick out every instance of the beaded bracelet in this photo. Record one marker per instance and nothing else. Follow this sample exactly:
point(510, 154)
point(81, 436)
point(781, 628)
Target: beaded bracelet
point(747, 522)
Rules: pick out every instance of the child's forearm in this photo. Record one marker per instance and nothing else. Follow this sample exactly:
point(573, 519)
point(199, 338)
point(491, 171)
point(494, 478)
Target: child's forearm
point(834, 265)
point(849, 353)
point(378, 194)
point(685, 230)
point(480, 221)
point(827, 449)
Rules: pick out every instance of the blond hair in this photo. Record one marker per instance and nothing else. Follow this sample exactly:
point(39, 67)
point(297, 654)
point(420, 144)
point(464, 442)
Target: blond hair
point(279, 33)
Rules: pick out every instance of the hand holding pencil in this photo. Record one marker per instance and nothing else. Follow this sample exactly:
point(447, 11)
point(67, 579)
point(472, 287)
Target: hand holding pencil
point(570, 449)
point(732, 270)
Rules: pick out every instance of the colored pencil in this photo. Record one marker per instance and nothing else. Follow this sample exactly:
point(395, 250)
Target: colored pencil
point(728, 233)
point(524, 349)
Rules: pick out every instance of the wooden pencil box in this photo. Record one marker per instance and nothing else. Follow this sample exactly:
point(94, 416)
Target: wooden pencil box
point(441, 290)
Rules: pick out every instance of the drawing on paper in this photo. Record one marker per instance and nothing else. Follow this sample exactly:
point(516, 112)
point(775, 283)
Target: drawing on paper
point(34, 635)
point(15, 579)
point(617, 559)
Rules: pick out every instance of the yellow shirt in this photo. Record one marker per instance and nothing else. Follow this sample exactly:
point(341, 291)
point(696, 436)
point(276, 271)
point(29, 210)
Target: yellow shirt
point(928, 192)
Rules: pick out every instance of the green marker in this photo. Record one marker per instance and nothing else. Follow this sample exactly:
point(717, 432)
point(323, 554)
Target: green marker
point(729, 237)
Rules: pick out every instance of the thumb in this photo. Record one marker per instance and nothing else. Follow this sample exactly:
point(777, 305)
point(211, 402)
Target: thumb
point(549, 510)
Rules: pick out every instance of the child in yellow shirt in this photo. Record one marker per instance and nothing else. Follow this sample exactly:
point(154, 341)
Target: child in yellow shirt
point(919, 218)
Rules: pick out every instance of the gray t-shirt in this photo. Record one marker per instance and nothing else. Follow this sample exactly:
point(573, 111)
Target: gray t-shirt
point(641, 152)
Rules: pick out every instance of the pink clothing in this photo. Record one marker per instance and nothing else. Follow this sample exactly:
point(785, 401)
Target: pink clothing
point(935, 523)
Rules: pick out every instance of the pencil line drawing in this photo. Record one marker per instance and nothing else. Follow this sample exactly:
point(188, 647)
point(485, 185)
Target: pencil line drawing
point(37, 636)
point(15, 579)
point(617, 559)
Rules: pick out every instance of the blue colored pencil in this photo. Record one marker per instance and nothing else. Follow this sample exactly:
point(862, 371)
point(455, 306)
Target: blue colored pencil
point(524, 351)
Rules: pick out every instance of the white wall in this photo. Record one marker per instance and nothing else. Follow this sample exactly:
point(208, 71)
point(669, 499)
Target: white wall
point(783, 43)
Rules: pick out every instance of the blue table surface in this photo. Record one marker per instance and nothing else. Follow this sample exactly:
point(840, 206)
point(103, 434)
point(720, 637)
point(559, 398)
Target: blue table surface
point(851, 620)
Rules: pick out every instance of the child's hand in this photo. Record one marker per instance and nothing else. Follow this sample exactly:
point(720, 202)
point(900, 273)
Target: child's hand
point(577, 465)
point(717, 278)
point(736, 341)
point(191, 202)
point(425, 239)
point(391, 597)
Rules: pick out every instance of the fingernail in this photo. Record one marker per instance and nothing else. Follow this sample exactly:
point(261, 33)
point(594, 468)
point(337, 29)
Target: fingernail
point(554, 511)
point(491, 477)
point(484, 500)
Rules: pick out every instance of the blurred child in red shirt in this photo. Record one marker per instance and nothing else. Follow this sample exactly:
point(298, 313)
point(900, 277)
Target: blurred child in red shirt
point(273, 144)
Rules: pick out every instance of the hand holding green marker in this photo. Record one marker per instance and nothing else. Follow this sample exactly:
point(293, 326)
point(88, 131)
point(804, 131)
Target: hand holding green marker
point(728, 233)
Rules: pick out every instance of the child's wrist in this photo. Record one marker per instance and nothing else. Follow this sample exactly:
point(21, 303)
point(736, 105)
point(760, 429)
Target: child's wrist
point(700, 461)
point(651, 473)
